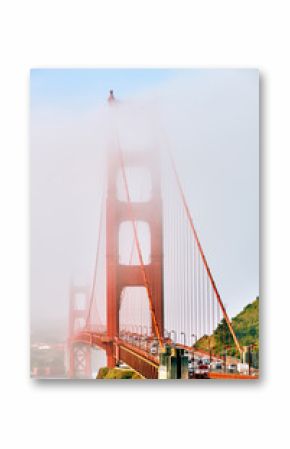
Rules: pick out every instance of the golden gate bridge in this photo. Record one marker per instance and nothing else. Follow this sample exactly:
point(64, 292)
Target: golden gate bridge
point(159, 288)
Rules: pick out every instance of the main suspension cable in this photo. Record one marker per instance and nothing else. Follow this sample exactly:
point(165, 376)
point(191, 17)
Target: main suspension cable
point(202, 253)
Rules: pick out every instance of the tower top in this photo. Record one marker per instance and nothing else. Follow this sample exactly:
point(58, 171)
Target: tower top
point(111, 98)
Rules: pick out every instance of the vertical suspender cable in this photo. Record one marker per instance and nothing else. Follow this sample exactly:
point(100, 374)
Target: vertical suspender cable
point(175, 268)
point(203, 256)
point(191, 287)
point(208, 307)
point(195, 289)
point(213, 303)
point(203, 301)
point(189, 275)
point(183, 264)
point(177, 291)
point(199, 296)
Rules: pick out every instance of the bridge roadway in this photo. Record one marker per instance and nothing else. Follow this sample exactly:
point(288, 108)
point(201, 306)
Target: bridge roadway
point(140, 359)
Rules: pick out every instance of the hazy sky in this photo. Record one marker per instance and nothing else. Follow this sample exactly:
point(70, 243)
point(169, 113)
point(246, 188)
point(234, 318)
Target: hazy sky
point(210, 118)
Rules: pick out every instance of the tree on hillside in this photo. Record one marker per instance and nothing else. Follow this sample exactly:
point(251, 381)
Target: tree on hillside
point(224, 339)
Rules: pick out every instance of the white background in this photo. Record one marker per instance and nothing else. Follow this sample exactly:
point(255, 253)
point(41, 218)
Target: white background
point(149, 33)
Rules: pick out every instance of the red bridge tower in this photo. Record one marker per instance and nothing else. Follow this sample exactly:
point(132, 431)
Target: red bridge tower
point(120, 276)
point(79, 353)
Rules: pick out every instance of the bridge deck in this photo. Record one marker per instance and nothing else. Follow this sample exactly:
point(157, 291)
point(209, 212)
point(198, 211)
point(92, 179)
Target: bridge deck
point(141, 360)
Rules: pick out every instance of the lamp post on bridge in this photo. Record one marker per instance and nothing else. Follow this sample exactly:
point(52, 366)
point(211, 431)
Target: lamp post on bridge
point(173, 332)
point(128, 327)
point(131, 333)
point(209, 350)
point(251, 350)
point(140, 335)
point(194, 340)
point(193, 344)
point(183, 333)
point(145, 336)
point(135, 335)
point(225, 357)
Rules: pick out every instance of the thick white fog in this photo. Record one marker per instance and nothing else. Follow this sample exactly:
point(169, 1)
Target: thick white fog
point(210, 120)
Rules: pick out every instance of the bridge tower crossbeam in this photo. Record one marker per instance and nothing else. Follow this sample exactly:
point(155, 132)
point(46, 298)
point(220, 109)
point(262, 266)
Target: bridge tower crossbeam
point(120, 276)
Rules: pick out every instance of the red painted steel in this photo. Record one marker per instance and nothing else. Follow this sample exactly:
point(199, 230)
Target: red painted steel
point(146, 280)
point(231, 376)
point(139, 362)
point(79, 354)
point(121, 276)
point(203, 255)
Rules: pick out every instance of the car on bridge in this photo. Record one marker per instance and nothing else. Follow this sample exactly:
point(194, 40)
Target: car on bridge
point(243, 368)
point(217, 365)
point(154, 347)
point(206, 361)
point(201, 371)
point(122, 365)
point(232, 368)
point(192, 364)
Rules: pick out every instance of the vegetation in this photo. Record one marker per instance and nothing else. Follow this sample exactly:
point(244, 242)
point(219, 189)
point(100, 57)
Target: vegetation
point(246, 327)
point(117, 373)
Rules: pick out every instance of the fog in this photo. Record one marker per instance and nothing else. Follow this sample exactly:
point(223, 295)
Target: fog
point(210, 121)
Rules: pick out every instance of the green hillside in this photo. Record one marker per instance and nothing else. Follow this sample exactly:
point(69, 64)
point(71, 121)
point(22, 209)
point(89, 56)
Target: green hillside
point(117, 373)
point(246, 327)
